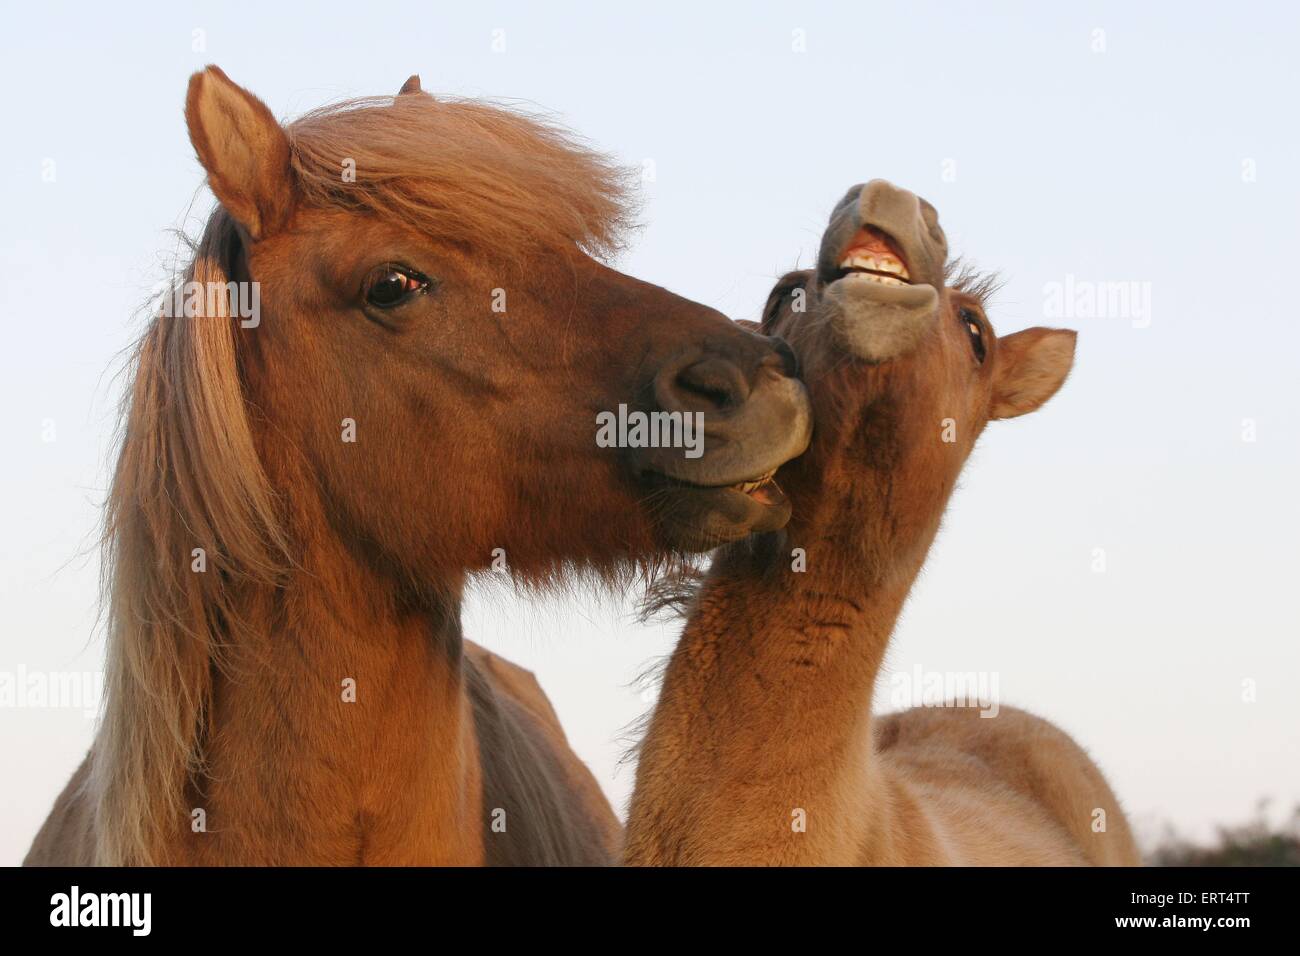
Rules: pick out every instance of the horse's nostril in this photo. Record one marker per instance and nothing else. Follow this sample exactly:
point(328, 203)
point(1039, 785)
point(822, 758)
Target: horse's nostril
point(709, 385)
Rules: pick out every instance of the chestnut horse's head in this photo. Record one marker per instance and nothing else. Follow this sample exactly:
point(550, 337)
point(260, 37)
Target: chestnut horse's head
point(903, 367)
point(437, 348)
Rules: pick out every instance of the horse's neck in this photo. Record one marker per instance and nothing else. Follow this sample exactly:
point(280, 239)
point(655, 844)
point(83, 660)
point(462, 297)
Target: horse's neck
point(341, 732)
point(761, 742)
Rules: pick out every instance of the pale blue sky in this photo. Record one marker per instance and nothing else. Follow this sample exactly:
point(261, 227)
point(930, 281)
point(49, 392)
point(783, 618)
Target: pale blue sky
point(1117, 165)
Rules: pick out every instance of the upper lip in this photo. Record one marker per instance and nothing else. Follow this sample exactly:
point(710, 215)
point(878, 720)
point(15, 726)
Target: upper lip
point(770, 427)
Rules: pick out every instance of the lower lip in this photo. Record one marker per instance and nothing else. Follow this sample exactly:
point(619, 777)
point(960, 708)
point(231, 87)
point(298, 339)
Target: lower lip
point(768, 493)
point(877, 279)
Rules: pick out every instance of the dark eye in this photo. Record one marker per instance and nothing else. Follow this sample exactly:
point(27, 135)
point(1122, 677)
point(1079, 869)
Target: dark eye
point(388, 285)
point(976, 331)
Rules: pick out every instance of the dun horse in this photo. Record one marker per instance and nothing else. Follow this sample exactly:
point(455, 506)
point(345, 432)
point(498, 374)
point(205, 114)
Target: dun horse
point(299, 498)
point(762, 748)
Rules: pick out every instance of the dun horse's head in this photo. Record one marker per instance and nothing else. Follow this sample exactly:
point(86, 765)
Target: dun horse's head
point(903, 367)
point(438, 346)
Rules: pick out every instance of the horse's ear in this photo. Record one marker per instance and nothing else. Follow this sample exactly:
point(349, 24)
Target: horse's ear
point(412, 85)
point(1029, 368)
point(784, 289)
point(244, 150)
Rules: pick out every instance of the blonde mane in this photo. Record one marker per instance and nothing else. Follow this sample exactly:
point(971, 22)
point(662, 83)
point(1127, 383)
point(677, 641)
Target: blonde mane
point(462, 171)
point(188, 475)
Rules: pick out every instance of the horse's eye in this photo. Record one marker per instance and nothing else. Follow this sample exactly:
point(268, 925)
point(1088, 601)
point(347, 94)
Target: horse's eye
point(389, 285)
point(976, 331)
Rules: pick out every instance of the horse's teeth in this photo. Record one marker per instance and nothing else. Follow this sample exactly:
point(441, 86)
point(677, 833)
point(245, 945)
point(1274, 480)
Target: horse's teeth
point(872, 277)
point(876, 262)
point(748, 486)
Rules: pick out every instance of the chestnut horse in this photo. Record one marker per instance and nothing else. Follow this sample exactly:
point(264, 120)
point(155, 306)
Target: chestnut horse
point(303, 488)
point(762, 749)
